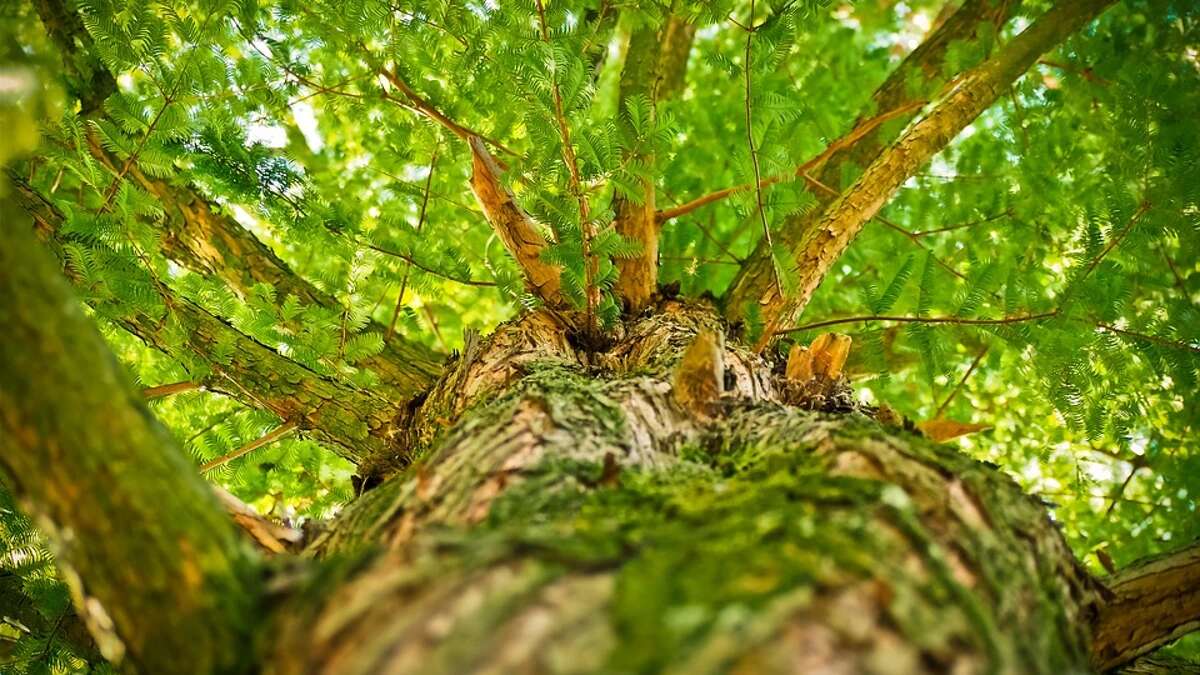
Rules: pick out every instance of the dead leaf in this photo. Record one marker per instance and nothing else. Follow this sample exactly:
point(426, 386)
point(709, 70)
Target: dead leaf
point(941, 430)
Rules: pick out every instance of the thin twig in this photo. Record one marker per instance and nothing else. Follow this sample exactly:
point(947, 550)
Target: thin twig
point(758, 188)
point(859, 131)
point(274, 435)
point(893, 226)
point(419, 104)
point(1133, 220)
point(408, 268)
point(961, 383)
point(590, 264)
point(1161, 341)
point(960, 226)
point(921, 319)
point(429, 270)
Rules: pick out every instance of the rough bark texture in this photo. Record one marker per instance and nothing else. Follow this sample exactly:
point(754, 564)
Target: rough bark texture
point(916, 79)
point(655, 65)
point(574, 517)
point(1148, 605)
point(85, 457)
point(521, 236)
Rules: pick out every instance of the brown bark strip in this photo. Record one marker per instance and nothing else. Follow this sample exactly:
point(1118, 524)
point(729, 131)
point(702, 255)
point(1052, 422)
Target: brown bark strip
point(1149, 604)
point(516, 229)
point(975, 91)
point(268, 535)
point(163, 390)
point(655, 65)
point(914, 81)
point(700, 377)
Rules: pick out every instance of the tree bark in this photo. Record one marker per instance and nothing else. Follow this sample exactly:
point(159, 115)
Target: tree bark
point(85, 457)
point(577, 518)
point(655, 65)
point(561, 510)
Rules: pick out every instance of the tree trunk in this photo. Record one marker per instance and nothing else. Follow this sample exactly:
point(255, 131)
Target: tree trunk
point(576, 518)
point(670, 503)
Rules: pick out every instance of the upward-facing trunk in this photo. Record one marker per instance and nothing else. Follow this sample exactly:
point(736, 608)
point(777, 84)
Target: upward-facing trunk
point(668, 503)
point(579, 517)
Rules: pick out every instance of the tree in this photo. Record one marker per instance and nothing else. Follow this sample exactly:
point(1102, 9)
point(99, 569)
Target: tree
point(623, 464)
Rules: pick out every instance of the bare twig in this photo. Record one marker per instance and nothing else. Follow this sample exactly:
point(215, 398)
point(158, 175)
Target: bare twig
point(168, 389)
point(961, 226)
point(758, 187)
point(420, 223)
point(587, 229)
point(1133, 220)
point(961, 383)
point(815, 163)
point(921, 319)
point(274, 435)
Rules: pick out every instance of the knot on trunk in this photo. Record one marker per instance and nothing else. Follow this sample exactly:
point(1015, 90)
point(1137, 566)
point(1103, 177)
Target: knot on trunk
point(700, 377)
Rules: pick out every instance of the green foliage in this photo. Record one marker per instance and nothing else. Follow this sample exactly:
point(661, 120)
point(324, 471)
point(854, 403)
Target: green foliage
point(1077, 195)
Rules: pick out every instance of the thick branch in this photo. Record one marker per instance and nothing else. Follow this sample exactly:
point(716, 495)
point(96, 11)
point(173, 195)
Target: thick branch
point(206, 241)
point(516, 229)
point(1150, 604)
point(974, 93)
point(154, 565)
point(655, 64)
point(355, 422)
point(905, 91)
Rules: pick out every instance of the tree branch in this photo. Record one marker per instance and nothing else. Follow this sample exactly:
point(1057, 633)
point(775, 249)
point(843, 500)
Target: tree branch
point(1148, 604)
point(420, 224)
point(109, 486)
point(916, 80)
point(973, 93)
point(356, 423)
point(169, 389)
point(200, 238)
point(921, 319)
point(274, 435)
point(655, 65)
point(587, 228)
point(521, 236)
point(855, 135)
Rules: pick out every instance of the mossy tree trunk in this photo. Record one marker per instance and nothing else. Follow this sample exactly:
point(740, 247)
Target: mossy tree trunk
point(668, 502)
point(577, 518)
point(671, 503)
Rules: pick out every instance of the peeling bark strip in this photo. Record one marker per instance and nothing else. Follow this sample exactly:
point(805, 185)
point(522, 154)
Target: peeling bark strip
point(515, 228)
point(87, 460)
point(916, 79)
point(975, 92)
point(1149, 604)
point(655, 65)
